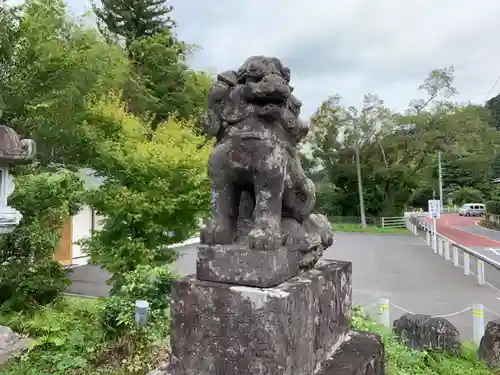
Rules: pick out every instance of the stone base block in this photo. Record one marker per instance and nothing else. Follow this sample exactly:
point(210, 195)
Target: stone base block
point(239, 265)
point(223, 329)
point(361, 354)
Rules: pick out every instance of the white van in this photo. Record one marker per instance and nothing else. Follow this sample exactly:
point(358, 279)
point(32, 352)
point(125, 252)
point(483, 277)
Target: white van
point(471, 209)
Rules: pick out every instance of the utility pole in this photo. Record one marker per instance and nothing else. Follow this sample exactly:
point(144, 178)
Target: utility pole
point(360, 183)
point(440, 172)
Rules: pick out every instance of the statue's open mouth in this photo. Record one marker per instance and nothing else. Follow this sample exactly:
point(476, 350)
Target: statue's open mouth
point(277, 99)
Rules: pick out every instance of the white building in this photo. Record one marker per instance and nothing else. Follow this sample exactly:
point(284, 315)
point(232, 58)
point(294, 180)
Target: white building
point(83, 224)
point(78, 227)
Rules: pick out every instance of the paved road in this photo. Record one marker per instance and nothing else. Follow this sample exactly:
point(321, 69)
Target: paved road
point(401, 268)
point(466, 231)
point(90, 280)
point(405, 270)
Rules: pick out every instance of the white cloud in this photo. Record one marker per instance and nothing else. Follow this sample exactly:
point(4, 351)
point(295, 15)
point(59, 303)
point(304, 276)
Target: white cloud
point(385, 47)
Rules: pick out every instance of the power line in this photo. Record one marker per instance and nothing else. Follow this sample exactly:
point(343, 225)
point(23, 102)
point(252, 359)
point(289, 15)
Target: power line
point(492, 88)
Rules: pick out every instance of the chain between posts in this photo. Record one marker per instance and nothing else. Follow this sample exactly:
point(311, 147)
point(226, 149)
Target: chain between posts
point(478, 310)
point(384, 306)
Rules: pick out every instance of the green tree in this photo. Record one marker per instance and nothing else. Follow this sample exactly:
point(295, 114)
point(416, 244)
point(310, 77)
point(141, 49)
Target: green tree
point(162, 83)
point(398, 151)
point(155, 183)
point(466, 195)
point(28, 274)
point(337, 130)
point(168, 86)
point(134, 19)
point(56, 65)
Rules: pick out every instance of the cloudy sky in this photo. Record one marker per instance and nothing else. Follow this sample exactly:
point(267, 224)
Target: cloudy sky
point(350, 47)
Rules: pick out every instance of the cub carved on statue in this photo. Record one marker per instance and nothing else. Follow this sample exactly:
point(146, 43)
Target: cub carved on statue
point(255, 171)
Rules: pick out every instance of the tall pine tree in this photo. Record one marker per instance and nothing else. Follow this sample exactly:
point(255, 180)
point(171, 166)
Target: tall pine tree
point(134, 19)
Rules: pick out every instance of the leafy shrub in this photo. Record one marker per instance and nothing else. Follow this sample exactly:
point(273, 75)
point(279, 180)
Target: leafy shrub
point(24, 287)
point(28, 275)
point(466, 195)
point(493, 207)
point(70, 341)
point(420, 197)
point(148, 283)
point(64, 333)
point(155, 182)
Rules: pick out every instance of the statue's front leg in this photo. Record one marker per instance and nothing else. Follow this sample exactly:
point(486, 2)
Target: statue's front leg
point(225, 201)
point(268, 184)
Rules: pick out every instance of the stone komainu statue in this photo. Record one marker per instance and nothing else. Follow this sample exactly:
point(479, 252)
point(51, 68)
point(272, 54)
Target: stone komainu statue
point(260, 193)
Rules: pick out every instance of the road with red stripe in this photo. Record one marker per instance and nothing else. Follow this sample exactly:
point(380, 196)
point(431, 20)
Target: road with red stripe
point(460, 230)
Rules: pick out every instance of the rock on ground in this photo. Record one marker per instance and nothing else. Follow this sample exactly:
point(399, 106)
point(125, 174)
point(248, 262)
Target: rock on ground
point(425, 332)
point(489, 348)
point(11, 344)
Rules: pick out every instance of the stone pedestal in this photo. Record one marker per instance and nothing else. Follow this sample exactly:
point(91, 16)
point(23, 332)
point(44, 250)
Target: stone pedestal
point(299, 327)
point(237, 264)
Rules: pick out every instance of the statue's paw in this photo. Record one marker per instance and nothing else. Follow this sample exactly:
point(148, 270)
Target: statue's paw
point(327, 238)
point(300, 241)
point(216, 235)
point(264, 239)
point(318, 225)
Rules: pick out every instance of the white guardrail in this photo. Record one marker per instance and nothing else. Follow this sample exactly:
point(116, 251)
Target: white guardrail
point(393, 222)
point(451, 250)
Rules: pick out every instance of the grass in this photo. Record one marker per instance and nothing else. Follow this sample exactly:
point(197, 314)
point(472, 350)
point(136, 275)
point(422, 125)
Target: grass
point(341, 227)
point(70, 341)
point(486, 224)
point(399, 360)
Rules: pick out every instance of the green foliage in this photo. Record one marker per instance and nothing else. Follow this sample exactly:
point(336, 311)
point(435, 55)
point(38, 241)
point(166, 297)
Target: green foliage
point(50, 65)
point(168, 86)
point(398, 151)
point(147, 283)
point(329, 200)
point(56, 64)
point(399, 360)
point(28, 275)
point(161, 83)
point(8, 30)
point(155, 182)
point(493, 106)
point(134, 19)
point(70, 341)
point(493, 207)
point(55, 78)
point(466, 195)
point(420, 197)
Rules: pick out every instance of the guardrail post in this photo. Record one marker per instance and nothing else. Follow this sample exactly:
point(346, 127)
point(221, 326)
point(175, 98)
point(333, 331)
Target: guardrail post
point(466, 264)
point(440, 246)
point(446, 250)
point(456, 262)
point(480, 272)
point(428, 237)
point(478, 322)
point(385, 313)
point(434, 236)
point(383, 222)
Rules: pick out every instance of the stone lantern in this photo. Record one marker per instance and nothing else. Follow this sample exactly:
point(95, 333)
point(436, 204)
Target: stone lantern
point(13, 150)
